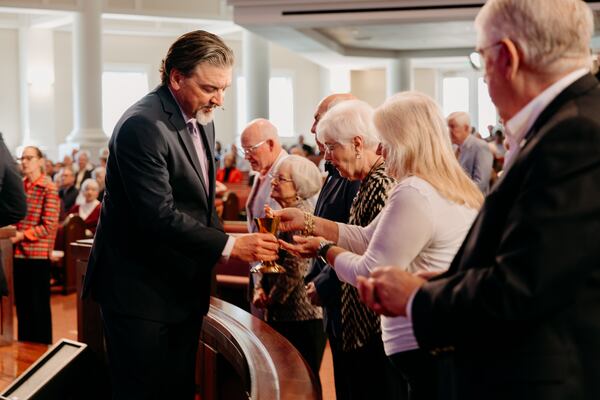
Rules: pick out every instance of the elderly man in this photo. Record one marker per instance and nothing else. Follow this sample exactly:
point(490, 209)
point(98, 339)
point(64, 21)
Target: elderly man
point(474, 154)
point(261, 146)
point(84, 168)
point(519, 305)
point(67, 192)
point(159, 236)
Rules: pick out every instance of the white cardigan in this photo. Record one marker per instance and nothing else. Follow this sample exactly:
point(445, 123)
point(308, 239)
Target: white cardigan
point(418, 230)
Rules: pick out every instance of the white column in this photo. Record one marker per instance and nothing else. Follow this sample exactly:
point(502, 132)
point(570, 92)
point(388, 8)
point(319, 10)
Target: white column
point(398, 76)
point(87, 81)
point(256, 64)
point(36, 76)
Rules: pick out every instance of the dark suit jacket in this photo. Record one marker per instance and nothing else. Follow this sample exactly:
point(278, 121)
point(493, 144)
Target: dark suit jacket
point(159, 236)
point(334, 203)
point(520, 304)
point(13, 205)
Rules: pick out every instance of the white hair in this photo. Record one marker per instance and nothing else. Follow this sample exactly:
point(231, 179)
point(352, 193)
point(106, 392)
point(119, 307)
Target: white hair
point(347, 120)
point(98, 170)
point(461, 118)
point(83, 152)
point(305, 174)
point(88, 182)
point(553, 35)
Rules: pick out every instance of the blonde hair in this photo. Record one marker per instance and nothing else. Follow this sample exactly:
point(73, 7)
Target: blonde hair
point(553, 35)
point(417, 142)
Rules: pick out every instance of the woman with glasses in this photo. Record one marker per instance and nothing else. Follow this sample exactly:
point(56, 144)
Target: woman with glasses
point(351, 145)
point(283, 296)
point(33, 245)
point(420, 229)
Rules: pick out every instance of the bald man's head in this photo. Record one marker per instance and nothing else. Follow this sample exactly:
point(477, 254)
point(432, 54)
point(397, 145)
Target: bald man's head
point(260, 142)
point(326, 104)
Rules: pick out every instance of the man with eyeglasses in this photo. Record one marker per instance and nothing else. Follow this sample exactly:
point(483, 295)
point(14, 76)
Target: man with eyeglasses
point(262, 148)
point(159, 235)
point(519, 307)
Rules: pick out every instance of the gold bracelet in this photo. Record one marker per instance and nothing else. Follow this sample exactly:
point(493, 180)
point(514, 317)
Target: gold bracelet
point(309, 224)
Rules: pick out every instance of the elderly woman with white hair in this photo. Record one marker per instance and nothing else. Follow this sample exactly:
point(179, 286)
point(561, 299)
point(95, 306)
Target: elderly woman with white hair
point(89, 209)
point(421, 227)
point(284, 296)
point(351, 142)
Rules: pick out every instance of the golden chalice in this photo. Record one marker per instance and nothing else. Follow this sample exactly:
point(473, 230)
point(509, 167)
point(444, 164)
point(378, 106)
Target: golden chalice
point(267, 225)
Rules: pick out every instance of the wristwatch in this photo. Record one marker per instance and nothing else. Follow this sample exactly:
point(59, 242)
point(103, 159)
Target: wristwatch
point(324, 247)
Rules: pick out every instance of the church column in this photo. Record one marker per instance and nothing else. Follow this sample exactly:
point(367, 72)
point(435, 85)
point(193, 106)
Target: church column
point(87, 81)
point(398, 75)
point(256, 64)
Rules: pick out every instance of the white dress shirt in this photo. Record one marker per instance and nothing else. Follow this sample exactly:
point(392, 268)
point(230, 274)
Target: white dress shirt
point(518, 126)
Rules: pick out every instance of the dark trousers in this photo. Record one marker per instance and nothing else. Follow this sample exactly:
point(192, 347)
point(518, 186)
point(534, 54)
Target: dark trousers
point(149, 359)
point(365, 373)
point(32, 298)
point(307, 337)
point(420, 371)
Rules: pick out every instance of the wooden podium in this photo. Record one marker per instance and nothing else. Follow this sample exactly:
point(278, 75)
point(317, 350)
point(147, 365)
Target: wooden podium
point(239, 356)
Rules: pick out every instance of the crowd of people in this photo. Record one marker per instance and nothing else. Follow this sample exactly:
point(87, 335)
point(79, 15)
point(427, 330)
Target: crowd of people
point(437, 265)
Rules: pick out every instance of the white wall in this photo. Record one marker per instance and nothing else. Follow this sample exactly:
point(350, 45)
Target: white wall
point(369, 86)
point(10, 125)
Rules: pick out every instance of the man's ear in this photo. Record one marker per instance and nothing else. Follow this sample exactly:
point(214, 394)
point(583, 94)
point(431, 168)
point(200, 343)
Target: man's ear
point(510, 57)
point(175, 78)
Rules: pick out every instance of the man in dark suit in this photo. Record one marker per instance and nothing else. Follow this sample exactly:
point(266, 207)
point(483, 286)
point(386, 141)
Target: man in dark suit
point(13, 206)
point(519, 305)
point(159, 237)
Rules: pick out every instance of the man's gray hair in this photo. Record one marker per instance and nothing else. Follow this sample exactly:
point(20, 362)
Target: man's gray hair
point(305, 174)
point(347, 120)
point(553, 35)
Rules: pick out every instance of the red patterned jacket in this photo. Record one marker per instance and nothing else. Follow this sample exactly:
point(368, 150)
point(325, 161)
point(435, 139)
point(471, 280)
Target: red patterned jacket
point(40, 224)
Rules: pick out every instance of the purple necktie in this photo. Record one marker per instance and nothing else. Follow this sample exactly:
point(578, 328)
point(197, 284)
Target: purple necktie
point(200, 151)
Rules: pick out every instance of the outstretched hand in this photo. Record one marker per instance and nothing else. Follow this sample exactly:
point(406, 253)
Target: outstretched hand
point(255, 247)
point(290, 219)
point(303, 246)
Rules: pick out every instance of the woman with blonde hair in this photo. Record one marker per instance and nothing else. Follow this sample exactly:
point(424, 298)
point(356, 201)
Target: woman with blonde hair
point(421, 227)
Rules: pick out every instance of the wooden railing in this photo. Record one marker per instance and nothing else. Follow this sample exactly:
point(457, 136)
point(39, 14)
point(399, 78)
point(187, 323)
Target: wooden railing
point(239, 357)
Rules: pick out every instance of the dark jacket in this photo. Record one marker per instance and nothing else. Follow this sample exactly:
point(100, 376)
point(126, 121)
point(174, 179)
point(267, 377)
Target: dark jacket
point(520, 303)
point(333, 204)
point(13, 205)
point(159, 236)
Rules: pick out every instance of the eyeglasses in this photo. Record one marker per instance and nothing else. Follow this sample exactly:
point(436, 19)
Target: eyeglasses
point(279, 178)
point(252, 149)
point(476, 57)
point(329, 147)
point(27, 158)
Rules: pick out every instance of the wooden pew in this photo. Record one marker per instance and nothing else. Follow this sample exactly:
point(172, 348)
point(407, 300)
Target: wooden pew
point(72, 229)
point(239, 356)
point(6, 306)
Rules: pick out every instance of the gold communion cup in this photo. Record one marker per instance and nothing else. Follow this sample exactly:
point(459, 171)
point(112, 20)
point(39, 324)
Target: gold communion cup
point(267, 225)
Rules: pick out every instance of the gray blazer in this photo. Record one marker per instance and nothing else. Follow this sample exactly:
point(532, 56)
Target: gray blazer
point(477, 159)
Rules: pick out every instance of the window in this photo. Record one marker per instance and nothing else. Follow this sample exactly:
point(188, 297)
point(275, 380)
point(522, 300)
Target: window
point(487, 111)
point(281, 104)
point(455, 95)
point(120, 89)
